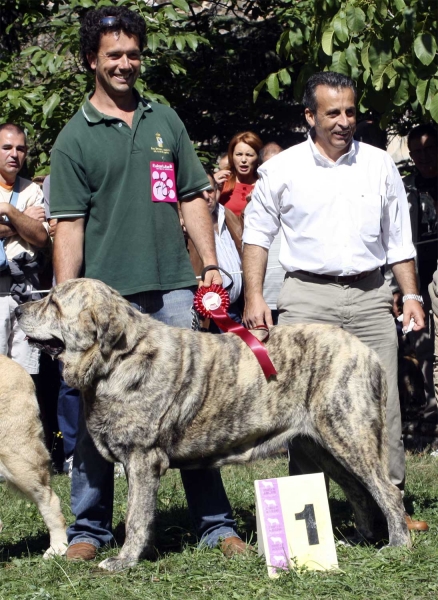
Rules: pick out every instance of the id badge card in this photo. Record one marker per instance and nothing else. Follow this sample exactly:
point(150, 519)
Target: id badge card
point(163, 186)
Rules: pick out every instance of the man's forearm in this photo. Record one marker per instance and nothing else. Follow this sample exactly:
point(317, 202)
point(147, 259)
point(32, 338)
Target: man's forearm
point(27, 228)
point(198, 223)
point(255, 259)
point(68, 250)
point(406, 277)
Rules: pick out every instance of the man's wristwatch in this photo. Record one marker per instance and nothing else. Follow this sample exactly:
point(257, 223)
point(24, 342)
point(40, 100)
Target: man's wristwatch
point(413, 297)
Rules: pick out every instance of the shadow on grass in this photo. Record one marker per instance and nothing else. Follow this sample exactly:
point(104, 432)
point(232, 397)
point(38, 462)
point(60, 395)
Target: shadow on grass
point(35, 545)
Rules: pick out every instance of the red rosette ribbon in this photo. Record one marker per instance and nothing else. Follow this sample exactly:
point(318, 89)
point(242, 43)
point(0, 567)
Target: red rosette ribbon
point(213, 302)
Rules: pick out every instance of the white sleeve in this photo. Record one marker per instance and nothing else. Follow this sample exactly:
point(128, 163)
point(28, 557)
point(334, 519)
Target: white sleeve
point(396, 222)
point(262, 215)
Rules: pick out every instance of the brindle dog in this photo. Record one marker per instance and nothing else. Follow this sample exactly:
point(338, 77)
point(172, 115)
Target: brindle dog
point(157, 397)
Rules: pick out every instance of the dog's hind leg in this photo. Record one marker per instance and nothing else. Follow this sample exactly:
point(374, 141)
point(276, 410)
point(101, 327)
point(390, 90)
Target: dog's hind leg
point(369, 519)
point(365, 464)
point(30, 475)
point(144, 470)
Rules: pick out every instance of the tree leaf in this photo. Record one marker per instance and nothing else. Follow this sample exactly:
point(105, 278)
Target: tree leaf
point(351, 56)
point(340, 28)
point(339, 63)
point(402, 93)
point(153, 42)
point(433, 109)
point(327, 41)
point(182, 4)
point(50, 104)
point(257, 90)
point(379, 53)
point(192, 41)
point(355, 19)
point(284, 77)
point(422, 91)
point(425, 48)
point(180, 42)
point(273, 85)
point(364, 57)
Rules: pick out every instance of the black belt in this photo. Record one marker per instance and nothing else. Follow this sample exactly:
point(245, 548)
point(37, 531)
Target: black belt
point(338, 278)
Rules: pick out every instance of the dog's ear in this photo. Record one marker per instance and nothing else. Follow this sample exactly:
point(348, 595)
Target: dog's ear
point(109, 328)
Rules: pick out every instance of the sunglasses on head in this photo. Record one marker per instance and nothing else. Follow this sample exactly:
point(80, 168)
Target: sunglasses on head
point(112, 21)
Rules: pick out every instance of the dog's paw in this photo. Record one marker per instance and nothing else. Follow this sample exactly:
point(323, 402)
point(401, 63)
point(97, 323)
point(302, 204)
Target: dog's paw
point(114, 563)
point(56, 550)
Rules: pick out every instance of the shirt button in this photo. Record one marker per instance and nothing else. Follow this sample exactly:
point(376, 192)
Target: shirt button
point(120, 124)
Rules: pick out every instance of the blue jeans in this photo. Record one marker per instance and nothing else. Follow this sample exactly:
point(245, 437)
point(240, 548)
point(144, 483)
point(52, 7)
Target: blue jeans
point(92, 490)
point(69, 403)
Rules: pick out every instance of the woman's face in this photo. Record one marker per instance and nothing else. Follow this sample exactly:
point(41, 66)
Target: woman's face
point(245, 159)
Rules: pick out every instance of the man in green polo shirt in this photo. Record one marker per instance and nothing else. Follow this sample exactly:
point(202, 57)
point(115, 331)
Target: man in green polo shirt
point(118, 168)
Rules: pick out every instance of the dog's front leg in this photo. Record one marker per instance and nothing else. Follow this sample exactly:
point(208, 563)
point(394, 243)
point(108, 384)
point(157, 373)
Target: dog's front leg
point(144, 471)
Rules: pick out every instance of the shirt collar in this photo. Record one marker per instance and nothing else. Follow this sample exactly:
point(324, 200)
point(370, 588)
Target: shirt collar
point(325, 162)
point(92, 115)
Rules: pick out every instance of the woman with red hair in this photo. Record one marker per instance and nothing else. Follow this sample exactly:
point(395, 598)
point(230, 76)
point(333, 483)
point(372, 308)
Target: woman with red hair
point(237, 182)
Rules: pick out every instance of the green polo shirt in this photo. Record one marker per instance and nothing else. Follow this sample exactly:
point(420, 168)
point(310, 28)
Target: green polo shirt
point(105, 171)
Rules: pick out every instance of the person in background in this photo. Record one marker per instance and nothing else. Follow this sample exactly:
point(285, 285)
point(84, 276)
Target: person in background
point(422, 193)
point(23, 233)
point(433, 292)
point(343, 213)
point(228, 241)
point(274, 276)
point(237, 182)
point(222, 162)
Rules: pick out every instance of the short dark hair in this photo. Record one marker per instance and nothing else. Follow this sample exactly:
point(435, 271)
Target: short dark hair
point(14, 127)
point(330, 79)
point(420, 130)
point(92, 28)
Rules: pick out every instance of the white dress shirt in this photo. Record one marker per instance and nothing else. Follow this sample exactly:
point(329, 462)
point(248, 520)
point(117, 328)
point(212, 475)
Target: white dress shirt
point(227, 256)
point(338, 218)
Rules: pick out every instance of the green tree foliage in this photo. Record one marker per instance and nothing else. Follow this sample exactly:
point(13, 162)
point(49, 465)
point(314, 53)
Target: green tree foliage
point(212, 60)
point(387, 46)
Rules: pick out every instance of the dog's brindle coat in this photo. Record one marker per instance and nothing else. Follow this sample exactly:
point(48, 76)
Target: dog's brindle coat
point(157, 397)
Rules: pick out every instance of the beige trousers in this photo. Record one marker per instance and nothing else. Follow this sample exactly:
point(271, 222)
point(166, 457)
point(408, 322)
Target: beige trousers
point(362, 308)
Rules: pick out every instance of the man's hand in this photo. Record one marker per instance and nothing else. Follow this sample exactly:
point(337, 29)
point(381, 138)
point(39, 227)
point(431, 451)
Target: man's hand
point(52, 227)
point(36, 212)
point(412, 309)
point(256, 312)
point(407, 280)
point(210, 278)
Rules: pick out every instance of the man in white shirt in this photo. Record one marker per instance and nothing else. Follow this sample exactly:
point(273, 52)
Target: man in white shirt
point(23, 230)
point(343, 213)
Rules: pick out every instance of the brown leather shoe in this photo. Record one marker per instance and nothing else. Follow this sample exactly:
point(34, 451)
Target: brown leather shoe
point(416, 525)
point(234, 545)
point(81, 551)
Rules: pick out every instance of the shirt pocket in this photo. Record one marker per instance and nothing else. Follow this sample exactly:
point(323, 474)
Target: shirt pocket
point(367, 213)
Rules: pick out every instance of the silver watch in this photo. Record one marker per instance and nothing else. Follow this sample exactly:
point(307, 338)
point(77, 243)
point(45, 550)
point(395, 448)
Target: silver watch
point(413, 297)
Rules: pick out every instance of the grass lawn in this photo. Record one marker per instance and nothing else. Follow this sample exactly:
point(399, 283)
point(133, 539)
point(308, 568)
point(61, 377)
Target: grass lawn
point(181, 571)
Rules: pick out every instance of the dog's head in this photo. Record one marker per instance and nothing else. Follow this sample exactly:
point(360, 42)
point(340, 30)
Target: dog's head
point(82, 322)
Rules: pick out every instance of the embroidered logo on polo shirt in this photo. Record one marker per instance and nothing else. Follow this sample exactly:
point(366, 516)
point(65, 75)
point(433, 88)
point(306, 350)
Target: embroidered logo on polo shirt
point(159, 147)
